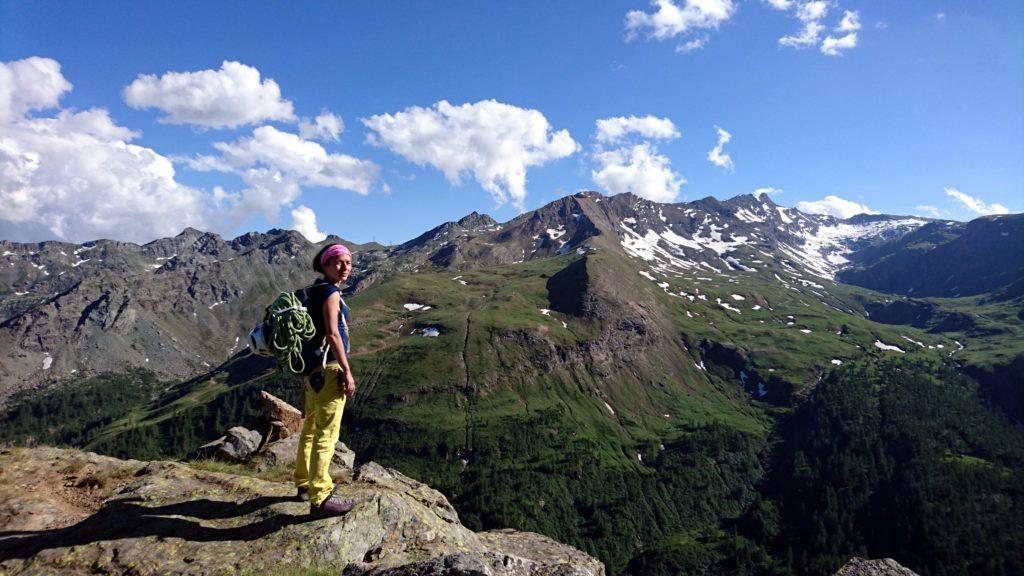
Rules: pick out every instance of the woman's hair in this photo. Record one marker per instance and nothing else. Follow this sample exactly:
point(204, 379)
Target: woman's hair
point(317, 266)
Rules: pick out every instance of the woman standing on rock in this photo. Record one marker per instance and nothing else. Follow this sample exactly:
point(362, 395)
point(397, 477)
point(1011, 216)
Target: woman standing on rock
point(326, 391)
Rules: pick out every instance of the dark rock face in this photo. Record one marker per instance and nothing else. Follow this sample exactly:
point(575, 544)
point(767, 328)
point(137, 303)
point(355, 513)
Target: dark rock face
point(166, 517)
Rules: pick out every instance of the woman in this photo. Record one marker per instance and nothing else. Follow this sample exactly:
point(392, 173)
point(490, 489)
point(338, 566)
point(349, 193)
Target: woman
point(326, 393)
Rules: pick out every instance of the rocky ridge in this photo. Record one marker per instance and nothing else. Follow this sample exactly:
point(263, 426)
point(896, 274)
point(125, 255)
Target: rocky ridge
point(181, 306)
point(71, 512)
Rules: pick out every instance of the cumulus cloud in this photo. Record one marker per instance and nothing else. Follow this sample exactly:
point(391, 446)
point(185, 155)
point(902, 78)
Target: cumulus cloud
point(76, 175)
point(612, 130)
point(229, 97)
point(494, 142)
point(810, 15)
point(833, 46)
point(716, 156)
point(275, 165)
point(326, 127)
point(31, 84)
point(767, 191)
point(638, 169)
point(834, 206)
point(850, 24)
point(305, 161)
point(304, 222)
point(976, 205)
point(670, 19)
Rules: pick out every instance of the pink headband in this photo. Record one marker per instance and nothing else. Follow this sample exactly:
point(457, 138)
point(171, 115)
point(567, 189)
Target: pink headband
point(334, 250)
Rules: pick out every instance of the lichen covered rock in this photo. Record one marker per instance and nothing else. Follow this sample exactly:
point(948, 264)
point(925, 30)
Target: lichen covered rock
point(169, 517)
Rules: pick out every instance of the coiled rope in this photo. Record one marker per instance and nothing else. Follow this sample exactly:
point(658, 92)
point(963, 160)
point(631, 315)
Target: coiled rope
point(292, 326)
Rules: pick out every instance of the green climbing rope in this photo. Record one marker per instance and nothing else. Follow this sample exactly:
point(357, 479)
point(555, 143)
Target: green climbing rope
point(292, 326)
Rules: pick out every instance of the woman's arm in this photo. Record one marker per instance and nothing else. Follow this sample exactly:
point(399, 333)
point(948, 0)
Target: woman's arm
point(332, 307)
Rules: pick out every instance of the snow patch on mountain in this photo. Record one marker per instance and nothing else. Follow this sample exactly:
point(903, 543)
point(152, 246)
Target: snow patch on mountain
point(883, 346)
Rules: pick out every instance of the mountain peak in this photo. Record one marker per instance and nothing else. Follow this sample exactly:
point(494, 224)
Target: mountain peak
point(476, 220)
point(191, 232)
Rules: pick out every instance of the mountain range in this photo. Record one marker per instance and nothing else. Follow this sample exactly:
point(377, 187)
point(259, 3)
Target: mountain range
point(648, 382)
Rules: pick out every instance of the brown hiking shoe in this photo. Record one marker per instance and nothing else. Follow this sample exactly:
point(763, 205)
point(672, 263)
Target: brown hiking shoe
point(333, 506)
point(302, 494)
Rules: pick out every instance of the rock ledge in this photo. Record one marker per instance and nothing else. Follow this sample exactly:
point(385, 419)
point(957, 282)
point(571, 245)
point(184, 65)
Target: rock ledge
point(72, 512)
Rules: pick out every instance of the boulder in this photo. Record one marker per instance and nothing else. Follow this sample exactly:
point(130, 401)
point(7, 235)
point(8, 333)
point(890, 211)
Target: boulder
point(237, 445)
point(283, 452)
point(281, 418)
point(879, 567)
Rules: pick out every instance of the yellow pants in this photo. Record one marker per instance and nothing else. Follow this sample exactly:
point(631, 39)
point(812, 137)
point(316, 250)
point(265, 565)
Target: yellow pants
point(320, 434)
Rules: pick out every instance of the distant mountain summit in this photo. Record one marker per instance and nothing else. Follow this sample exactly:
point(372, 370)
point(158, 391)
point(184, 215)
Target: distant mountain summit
point(180, 305)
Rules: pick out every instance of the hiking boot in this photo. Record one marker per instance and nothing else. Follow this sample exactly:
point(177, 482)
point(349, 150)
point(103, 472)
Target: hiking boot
point(302, 494)
point(333, 506)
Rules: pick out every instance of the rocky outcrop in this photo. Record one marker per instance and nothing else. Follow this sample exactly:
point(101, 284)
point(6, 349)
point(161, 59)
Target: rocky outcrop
point(283, 453)
point(880, 567)
point(274, 443)
point(70, 512)
point(238, 444)
point(280, 418)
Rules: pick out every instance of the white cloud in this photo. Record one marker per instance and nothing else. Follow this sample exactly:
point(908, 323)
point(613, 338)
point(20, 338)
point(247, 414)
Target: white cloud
point(768, 190)
point(940, 16)
point(31, 84)
point(305, 161)
point(612, 130)
point(77, 176)
point(834, 206)
point(672, 19)
point(812, 11)
point(810, 15)
point(850, 22)
point(690, 46)
point(494, 142)
point(976, 205)
point(227, 98)
point(831, 46)
point(716, 156)
point(326, 128)
point(638, 169)
point(849, 25)
point(808, 36)
point(304, 221)
point(930, 210)
point(275, 165)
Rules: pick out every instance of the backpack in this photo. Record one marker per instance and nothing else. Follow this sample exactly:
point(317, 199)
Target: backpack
point(287, 333)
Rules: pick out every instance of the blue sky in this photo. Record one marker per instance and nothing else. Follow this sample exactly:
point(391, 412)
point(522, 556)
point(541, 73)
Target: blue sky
point(923, 113)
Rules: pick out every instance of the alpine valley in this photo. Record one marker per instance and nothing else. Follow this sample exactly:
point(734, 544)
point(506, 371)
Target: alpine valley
point(712, 387)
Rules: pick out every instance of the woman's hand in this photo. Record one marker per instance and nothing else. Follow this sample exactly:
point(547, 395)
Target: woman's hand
point(350, 384)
